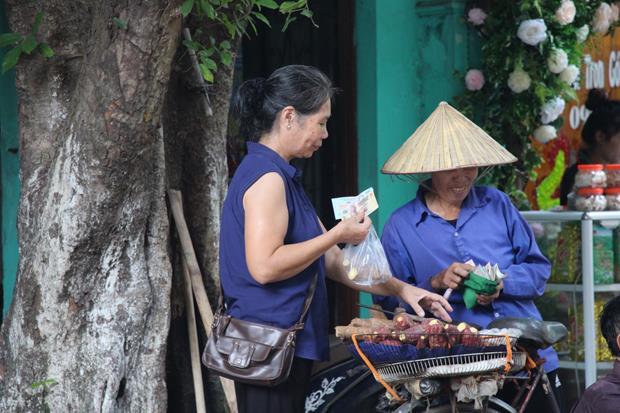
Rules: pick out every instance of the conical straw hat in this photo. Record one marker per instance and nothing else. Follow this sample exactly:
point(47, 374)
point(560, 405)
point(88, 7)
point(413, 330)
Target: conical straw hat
point(446, 140)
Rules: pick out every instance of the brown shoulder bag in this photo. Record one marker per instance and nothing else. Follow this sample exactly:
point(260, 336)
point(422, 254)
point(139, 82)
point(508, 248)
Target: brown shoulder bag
point(251, 352)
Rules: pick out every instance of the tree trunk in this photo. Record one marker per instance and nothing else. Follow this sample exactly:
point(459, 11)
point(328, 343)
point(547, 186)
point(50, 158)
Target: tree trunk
point(196, 163)
point(92, 301)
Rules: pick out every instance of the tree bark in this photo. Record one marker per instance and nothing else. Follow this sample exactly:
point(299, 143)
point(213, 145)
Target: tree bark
point(92, 301)
point(196, 163)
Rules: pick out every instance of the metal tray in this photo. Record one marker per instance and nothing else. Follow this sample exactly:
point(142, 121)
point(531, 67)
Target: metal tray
point(450, 366)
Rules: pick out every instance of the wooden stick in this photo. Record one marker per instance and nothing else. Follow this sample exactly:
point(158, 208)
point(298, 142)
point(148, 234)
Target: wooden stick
point(229, 391)
point(190, 263)
point(349, 331)
point(204, 309)
point(193, 342)
point(198, 74)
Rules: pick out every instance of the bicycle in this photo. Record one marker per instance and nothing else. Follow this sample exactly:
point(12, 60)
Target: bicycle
point(431, 377)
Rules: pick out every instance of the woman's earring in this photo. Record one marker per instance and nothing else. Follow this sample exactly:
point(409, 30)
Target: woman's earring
point(288, 126)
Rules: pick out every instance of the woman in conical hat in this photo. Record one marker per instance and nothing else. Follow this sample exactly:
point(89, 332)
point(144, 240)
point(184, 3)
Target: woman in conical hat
point(431, 241)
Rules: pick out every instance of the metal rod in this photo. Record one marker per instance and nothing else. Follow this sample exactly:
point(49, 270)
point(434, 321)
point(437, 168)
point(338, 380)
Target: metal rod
point(563, 216)
point(551, 216)
point(589, 326)
point(531, 389)
point(548, 387)
point(369, 307)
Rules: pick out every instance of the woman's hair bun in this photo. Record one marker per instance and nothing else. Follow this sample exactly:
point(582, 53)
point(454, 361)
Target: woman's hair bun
point(250, 95)
point(596, 99)
point(247, 103)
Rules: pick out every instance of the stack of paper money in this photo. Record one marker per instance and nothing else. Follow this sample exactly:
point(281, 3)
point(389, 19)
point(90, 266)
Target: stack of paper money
point(490, 272)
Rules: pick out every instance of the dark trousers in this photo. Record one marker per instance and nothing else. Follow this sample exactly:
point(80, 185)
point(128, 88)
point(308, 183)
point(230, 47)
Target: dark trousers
point(538, 403)
point(287, 397)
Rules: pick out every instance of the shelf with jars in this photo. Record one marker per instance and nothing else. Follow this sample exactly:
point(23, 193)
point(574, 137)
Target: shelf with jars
point(584, 248)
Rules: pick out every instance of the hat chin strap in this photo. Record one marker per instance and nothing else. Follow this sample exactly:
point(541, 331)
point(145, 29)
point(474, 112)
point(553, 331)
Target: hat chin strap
point(484, 172)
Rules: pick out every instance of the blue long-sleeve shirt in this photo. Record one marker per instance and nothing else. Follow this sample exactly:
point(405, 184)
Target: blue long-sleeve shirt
point(419, 244)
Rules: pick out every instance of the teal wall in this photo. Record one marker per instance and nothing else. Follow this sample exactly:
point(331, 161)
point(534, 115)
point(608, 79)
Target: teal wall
point(9, 173)
point(386, 89)
point(407, 53)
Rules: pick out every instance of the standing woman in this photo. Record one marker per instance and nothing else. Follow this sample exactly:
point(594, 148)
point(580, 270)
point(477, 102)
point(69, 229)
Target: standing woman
point(600, 138)
point(272, 242)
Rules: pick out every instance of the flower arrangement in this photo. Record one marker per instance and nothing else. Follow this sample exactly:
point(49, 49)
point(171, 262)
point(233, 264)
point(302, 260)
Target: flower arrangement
point(531, 55)
point(474, 80)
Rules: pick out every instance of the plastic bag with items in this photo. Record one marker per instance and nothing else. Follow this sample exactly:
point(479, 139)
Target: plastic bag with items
point(366, 263)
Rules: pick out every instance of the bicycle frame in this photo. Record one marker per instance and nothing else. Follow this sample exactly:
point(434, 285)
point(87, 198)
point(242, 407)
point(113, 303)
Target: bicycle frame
point(526, 390)
point(525, 387)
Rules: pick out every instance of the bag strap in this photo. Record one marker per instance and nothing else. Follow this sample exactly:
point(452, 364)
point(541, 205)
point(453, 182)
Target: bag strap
point(300, 324)
point(307, 302)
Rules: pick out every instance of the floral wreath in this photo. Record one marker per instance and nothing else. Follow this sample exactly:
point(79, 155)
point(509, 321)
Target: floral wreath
point(530, 58)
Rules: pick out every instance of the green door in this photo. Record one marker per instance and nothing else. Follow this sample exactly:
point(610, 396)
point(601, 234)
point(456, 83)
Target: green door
point(9, 174)
point(408, 53)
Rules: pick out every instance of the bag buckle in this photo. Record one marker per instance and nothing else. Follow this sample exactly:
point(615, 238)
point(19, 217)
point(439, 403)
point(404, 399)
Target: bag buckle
point(297, 327)
point(241, 355)
point(216, 321)
point(218, 318)
point(290, 339)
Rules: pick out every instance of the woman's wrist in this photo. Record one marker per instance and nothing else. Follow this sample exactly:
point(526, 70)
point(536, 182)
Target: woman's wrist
point(397, 287)
point(335, 235)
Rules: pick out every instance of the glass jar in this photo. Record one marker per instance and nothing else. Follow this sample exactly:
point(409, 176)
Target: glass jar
point(590, 199)
point(613, 198)
point(590, 176)
point(612, 171)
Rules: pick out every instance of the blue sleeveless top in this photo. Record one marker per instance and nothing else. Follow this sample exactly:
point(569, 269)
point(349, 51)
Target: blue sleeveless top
point(280, 303)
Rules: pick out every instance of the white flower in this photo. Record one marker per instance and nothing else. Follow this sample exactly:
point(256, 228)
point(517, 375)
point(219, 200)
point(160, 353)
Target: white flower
point(551, 110)
point(474, 80)
point(519, 80)
point(532, 32)
point(602, 18)
point(570, 74)
point(565, 14)
point(557, 61)
point(582, 33)
point(545, 133)
point(615, 13)
point(476, 16)
point(538, 229)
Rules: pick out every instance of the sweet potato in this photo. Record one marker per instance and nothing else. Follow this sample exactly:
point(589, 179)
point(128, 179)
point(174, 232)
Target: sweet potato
point(470, 337)
point(382, 334)
point(391, 342)
point(410, 335)
point(431, 322)
point(422, 342)
point(402, 322)
point(436, 336)
point(453, 334)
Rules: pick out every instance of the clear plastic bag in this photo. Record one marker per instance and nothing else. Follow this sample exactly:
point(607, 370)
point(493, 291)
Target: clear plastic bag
point(366, 263)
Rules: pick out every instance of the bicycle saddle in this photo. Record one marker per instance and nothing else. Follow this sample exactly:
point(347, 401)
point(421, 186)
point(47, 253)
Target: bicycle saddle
point(541, 333)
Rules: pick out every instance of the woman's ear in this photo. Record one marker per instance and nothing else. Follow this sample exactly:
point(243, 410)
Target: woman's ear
point(288, 115)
